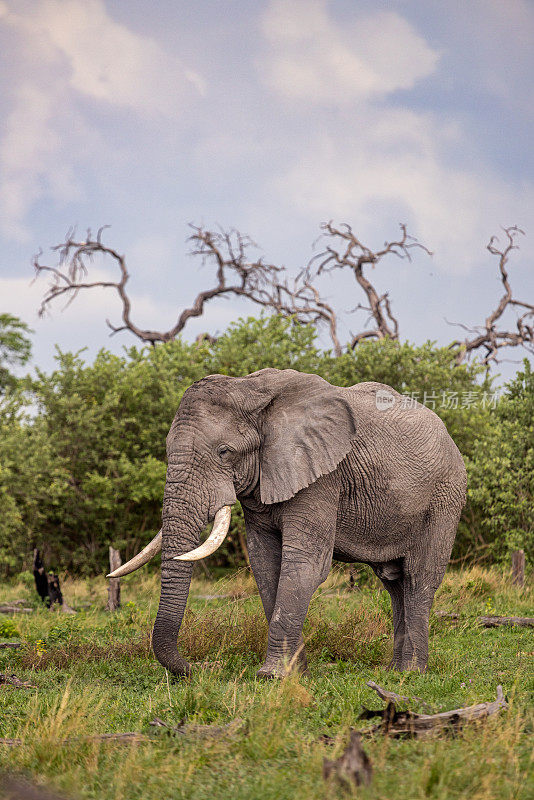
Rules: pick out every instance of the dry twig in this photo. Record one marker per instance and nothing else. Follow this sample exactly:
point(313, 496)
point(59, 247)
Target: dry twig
point(11, 608)
point(182, 729)
point(12, 680)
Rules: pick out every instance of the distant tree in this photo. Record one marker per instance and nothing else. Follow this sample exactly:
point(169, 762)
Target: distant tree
point(87, 466)
point(15, 348)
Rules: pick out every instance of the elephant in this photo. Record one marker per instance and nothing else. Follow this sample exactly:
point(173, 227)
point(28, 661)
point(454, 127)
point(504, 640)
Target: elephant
point(356, 474)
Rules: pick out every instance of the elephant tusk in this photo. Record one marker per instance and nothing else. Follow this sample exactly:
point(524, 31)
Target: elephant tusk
point(148, 552)
point(214, 540)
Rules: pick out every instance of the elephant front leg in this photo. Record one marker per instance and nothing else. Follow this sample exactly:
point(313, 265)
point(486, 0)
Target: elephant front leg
point(308, 531)
point(300, 575)
point(265, 553)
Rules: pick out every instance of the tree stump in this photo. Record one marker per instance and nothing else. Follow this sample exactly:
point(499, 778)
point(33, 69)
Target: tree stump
point(41, 580)
point(518, 567)
point(47, 585)
point(114, 588)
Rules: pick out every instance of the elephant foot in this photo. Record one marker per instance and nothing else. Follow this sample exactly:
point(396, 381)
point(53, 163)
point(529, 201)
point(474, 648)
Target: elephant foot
point(394, 664)
point(272, 670)
point(268, 674)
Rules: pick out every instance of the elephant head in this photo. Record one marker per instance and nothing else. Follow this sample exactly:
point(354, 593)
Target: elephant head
point(269, 434)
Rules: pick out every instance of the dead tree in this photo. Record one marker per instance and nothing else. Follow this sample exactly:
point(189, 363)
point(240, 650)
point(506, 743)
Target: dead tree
point(40, 577)
point(347, 251)
point(236, 274)
point(489, 337)
point(267, 285)
point(518, 568)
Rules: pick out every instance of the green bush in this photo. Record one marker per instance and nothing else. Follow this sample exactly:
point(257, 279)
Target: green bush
point(501, 476)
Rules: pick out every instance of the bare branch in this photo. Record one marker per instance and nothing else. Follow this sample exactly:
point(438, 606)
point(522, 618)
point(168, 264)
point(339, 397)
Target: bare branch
point(262, 283)
point(488, 336)
point(347, 251)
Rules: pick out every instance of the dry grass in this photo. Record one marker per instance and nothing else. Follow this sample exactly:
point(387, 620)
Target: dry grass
point(34, 657)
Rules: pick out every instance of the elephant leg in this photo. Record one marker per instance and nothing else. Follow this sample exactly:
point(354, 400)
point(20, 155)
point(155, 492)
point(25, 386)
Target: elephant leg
point(395, 589)
point(265, 554)
point(418, 596)
point(308, 530)
point(423, 573)
point(299, 578)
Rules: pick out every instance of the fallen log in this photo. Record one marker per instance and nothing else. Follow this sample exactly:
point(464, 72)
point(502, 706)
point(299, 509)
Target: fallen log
point(203, 731)
point(407, 724)
point(353, 767)
point(8, 645)
point(12, 680)
point(494, 622)
point(490, 621)
point(182, 729)
point(12, 608)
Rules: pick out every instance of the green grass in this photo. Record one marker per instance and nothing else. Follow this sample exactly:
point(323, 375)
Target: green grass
point(95, 673)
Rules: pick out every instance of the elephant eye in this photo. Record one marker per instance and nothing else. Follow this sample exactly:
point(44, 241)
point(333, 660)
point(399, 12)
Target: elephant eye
point(223, 451)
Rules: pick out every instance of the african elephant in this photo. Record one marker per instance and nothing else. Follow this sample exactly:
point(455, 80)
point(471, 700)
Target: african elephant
point(322, 472)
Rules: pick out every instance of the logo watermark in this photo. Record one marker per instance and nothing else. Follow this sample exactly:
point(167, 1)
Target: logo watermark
point(438, 400)
point(384, 399)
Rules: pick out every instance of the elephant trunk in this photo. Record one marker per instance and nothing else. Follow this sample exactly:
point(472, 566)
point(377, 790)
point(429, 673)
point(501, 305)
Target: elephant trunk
point(180, 535)
point(175, 582)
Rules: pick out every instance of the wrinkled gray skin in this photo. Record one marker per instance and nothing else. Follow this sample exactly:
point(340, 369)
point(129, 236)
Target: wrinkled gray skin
point(320, 473)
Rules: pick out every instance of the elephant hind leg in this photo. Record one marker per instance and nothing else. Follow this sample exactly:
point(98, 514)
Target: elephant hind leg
point(391, 575)
point(423, 573)
point(395, 589)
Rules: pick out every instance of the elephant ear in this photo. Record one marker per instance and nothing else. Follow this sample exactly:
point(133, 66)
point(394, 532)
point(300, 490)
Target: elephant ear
point(307, 429)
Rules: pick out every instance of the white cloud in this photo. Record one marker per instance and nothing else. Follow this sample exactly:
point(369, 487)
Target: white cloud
point(31, 160)
point(390, 162)
point(65, 47)
point(102, 59)
point(396, 168)
point(311, 57)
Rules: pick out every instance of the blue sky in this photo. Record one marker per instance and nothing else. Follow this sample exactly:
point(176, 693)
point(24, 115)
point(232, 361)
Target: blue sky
point(271, 117)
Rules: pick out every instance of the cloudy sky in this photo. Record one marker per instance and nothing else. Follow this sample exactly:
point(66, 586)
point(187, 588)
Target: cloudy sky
point(271, 117)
